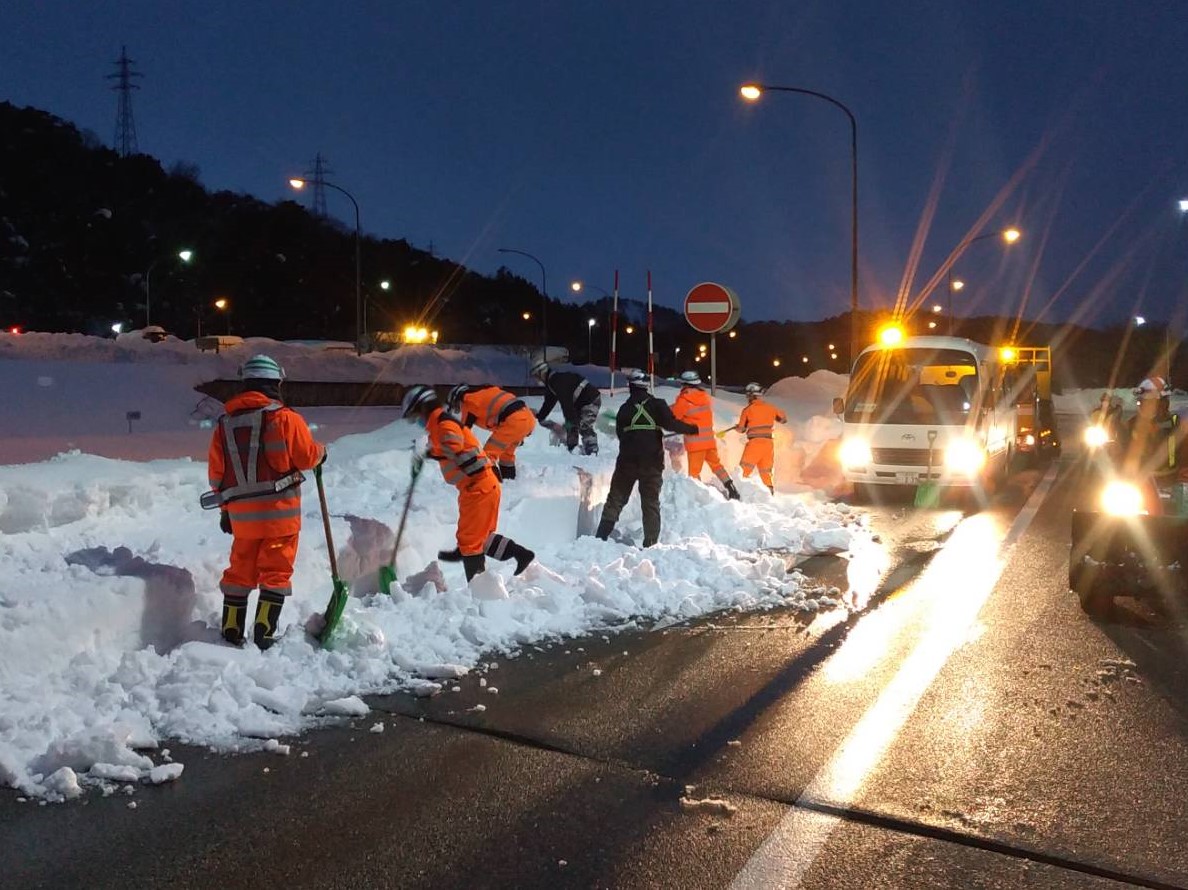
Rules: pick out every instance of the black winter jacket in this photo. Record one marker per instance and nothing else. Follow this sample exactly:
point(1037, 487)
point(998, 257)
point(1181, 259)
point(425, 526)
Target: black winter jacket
point(572, 390)
point(640, 424)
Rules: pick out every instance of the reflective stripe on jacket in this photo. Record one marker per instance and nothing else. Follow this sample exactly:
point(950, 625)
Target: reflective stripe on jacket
point(253, 462)
point(758, 419)
point(489, 406)
point(456, 450)
point(694, 406)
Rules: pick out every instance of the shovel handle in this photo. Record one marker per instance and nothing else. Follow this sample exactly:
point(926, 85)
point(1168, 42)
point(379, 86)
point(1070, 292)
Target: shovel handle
point(326, 522)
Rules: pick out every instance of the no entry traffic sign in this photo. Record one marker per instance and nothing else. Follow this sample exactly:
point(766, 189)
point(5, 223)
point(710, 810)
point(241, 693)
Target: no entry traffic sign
point(712, 308)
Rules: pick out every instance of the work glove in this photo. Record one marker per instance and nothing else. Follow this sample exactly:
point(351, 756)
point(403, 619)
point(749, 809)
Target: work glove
point(225, 521)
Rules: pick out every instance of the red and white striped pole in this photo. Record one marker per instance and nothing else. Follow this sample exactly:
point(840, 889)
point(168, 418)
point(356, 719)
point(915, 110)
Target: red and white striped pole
point(614, 356)
point(651, 348)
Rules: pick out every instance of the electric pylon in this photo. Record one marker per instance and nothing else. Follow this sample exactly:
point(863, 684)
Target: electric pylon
point(317, 177)
point(125, 128)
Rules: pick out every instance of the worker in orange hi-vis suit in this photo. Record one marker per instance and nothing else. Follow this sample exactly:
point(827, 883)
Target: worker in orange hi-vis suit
point(256, 457)
point(757, 422)
point(694, 406)
point(507, 417)
point(466, 466)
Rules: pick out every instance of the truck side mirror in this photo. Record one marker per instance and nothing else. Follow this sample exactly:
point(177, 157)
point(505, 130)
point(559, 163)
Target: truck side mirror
point(839, 405)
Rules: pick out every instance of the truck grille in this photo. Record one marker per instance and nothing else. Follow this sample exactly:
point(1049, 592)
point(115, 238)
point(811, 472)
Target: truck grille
point(904, 457)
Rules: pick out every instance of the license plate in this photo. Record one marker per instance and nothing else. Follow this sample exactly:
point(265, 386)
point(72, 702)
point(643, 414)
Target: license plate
point(907, 478)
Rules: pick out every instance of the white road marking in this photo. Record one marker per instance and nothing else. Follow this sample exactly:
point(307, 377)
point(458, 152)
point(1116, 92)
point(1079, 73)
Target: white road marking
point(785, 856)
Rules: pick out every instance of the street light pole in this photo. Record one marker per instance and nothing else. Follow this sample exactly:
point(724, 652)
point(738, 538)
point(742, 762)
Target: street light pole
point(1009, 236)
point(751, 92)
point(360, 321)
point(544, 300)
point(184, 255)
point(589, 341)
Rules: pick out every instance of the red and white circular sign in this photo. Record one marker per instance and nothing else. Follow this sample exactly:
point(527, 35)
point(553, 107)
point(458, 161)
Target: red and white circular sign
point(712, 308)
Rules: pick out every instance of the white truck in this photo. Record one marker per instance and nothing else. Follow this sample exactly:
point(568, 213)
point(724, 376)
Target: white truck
point(930, 409)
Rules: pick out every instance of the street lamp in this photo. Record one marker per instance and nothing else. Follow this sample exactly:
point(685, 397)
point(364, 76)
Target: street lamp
point(590, 341)
point(752, 92)
point(1008, 236)
point(360, 321)
point(544, 300)
point(676, 361)
point(385, 285)
point(184, 255)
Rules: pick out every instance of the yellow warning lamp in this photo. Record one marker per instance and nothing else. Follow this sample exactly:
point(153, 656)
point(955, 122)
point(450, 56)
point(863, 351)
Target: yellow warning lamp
point(890, 335)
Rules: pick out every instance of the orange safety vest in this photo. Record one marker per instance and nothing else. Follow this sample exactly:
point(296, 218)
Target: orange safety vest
point(694, 406)
point(255, 458)
point(489, 406)
point(456, 450)
point(758, 419)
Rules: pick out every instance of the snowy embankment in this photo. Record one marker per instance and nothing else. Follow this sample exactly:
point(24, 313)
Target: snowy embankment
point(109, 594)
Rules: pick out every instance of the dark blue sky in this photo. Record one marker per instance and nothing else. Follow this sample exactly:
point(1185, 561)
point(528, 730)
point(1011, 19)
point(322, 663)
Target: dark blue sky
point(605, 135)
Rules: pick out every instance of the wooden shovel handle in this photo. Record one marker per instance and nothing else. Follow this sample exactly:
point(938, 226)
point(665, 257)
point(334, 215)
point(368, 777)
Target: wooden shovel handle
point(326, 522)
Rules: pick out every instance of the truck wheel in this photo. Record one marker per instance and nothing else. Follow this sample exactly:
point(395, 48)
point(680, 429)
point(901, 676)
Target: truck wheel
point(1096, 600)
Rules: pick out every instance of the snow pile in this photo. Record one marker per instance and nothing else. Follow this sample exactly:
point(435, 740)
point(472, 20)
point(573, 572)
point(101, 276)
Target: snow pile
point(301, 360)
point(109, 594)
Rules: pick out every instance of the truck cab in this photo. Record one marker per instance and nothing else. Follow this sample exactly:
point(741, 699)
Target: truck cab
point(929, 409)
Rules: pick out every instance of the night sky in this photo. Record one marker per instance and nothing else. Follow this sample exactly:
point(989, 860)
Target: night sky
point(604, 135)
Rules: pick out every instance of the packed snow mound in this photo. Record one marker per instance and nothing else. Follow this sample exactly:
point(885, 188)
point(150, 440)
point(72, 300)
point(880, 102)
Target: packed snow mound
point(109, 596)
point(301, 360)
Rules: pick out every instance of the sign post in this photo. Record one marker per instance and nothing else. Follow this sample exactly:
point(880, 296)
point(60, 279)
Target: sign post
point(614, 356)
point(712, 309)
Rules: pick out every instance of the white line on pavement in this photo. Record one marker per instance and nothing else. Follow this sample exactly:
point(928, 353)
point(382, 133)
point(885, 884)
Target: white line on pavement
point(784, 857)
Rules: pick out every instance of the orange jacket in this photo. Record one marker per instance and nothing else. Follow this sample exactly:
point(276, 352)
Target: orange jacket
point(758, 419)
point(694, 406)
point(281, 444)
point(488, 407)
point(456, 451)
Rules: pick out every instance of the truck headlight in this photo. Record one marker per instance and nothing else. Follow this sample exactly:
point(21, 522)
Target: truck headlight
point(1095, 436)
point(964, 457)
point(854, 453)
point(1122, 499)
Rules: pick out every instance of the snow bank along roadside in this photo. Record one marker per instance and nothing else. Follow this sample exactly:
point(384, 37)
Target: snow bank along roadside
point(108, 593)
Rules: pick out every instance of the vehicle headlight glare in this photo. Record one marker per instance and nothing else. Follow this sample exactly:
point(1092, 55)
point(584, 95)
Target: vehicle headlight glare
point(1096, 436)
point(1122, 499)
point(854, 453)
point(964, 457)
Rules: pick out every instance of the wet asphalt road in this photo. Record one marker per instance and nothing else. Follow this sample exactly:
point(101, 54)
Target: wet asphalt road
point(970, 728)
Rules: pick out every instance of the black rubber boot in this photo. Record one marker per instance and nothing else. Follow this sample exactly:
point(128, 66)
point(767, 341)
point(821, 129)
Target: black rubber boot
point(454, 555)
point(508, 471)
point(504, 548)
point(474, 565)
point(731, 492)
point(604, 530)
point(234, 616)
point(268, 611)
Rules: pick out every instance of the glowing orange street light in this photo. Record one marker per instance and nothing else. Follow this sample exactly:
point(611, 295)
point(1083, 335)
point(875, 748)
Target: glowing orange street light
point(775, 362)
point(750, 91)
point(527, 316)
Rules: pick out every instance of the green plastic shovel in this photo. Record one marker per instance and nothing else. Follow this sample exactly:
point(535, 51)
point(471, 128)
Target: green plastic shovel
point(338, 599)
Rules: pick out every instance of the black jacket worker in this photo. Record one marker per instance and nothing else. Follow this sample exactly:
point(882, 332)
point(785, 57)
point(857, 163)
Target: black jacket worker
point(640, 424)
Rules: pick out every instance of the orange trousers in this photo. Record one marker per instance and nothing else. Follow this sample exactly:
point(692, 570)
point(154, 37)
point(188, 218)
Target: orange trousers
point(501, 445)
point(758, 454)
point(478, 515)
point(706, 456)
point(266, 563)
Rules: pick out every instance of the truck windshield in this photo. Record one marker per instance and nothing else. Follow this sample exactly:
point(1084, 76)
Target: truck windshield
point(913, 385)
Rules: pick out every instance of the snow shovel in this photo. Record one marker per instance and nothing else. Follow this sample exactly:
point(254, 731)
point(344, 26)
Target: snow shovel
point(387, 574)
point(928, 491)
point(338, 598)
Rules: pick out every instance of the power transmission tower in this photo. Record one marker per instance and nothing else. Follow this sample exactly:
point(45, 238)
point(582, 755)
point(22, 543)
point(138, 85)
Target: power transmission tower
point(317, 176)
point(125, 129)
